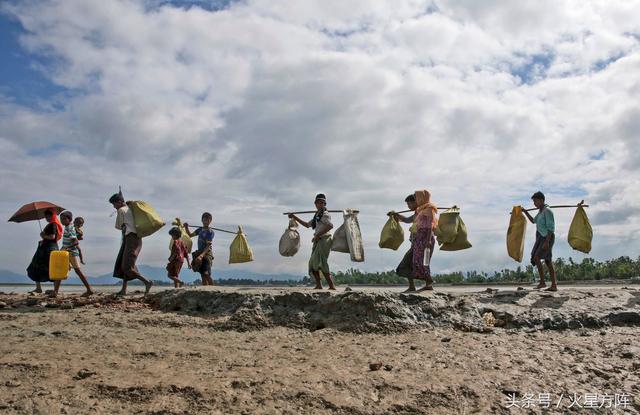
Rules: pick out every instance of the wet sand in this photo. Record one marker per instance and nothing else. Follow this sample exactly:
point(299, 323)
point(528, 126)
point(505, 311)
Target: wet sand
point(241, 351)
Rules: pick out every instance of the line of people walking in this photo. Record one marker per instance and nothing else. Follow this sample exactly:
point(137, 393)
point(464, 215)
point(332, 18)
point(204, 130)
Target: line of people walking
point(415, 264)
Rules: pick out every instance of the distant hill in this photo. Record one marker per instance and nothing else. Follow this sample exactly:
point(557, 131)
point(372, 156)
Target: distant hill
point(156, 273)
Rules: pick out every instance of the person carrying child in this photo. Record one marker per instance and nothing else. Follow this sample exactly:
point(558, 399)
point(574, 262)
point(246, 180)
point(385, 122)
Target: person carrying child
point(178, 255)
point(203, 257)
point(70, 243)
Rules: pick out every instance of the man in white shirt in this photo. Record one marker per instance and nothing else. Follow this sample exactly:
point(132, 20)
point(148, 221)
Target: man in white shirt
point(125, 267)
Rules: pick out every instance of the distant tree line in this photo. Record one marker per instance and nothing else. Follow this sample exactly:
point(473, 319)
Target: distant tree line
point(620, 268)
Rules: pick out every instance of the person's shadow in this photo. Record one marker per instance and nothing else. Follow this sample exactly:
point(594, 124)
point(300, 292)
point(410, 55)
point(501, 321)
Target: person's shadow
point(550, 302)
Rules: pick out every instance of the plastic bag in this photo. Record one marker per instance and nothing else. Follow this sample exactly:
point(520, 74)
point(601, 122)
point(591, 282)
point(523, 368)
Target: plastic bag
point(460, 241)
point(354, 236)
point(146, 218)
point(580, 232)
point(184, 236)
point(447, 229)
point(340, 242)
point(290, 240)
point(392, 235)
point(516, 234)
point(239, 251)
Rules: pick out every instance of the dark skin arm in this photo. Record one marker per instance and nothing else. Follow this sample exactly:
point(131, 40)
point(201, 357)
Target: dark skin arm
point(547, 239)
point(186, 228)
point(307, 225)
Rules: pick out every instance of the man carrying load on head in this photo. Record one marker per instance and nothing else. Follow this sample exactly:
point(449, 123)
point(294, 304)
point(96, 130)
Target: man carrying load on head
point(321, 224)
point(545, 237)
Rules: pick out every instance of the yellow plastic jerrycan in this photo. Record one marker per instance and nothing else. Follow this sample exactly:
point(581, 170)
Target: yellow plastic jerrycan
point(59, 265)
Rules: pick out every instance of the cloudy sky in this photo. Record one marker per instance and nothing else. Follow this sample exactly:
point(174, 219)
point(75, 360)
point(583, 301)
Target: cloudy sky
point(247, 109)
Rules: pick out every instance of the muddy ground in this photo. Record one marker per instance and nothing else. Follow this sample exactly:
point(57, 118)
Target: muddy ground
point(297, 351)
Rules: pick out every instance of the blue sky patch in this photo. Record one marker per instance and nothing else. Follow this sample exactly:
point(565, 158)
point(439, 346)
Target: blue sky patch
point(535, 67)
point(20, 79)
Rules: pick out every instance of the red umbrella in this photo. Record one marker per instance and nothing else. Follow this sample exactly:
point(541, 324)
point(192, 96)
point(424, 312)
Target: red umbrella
point(34, 211)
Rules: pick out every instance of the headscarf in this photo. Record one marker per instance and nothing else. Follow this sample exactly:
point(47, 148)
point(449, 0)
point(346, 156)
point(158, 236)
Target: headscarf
point(426, 207)
point(56, 221)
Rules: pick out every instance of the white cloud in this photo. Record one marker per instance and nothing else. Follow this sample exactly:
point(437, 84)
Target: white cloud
point(251, 110)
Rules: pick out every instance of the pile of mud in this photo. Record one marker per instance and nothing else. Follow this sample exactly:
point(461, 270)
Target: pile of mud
point(387, 312)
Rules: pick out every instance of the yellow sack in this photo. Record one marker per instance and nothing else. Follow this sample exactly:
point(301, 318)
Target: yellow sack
point(58, 265)
point(516, 234)
point(447, 230)
point(451, 231)
point(580, 232)
point(145, 217)
point(392, 235)
point(240, 250)
point(184, 236)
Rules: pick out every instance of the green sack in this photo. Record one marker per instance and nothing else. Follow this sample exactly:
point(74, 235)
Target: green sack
point(580, 232)
point(239, 250)
point(145, 217)
point(516, 234)
point(392, 235)
point(460, 241)
point(447, 230)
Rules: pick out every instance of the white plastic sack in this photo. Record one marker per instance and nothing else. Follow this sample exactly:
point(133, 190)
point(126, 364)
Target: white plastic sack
point(354, 237)
point(290, 240)
point(340, 242)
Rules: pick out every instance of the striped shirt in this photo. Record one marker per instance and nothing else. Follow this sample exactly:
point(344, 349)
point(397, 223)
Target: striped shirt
point(69, 240)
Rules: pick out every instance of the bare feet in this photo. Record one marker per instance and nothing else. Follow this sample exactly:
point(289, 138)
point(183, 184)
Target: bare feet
point(36, 291)
point(147, 287)
point(317, 287)
point(426, 288)
point(121, 293)
point(87, 293)
point(409, 290)
point(541, 285)
point(332, 288)
point(552, 288)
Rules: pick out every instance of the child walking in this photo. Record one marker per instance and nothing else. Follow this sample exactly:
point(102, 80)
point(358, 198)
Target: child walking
point(70, 243)
point(178, 255)
point(203, 257)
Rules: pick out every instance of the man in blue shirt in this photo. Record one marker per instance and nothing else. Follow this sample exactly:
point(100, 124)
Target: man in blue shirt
point(545, 236)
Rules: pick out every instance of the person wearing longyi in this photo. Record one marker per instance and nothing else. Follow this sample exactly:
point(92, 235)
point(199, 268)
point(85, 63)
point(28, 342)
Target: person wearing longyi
point(545, 237)
point(125, 267)
point(38, 269)
point(203, 257)
point(405, 268)
point(425, 221)
point(321, 224)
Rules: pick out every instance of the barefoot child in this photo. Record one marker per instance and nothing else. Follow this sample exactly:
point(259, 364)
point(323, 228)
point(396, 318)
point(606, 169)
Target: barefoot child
point(78, 223)
point(545, 237)
point(178, 255)
point(203, 257)
point(70, 244)
point(321, 224)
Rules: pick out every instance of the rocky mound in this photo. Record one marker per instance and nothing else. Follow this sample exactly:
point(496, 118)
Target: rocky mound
point(388, 312)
